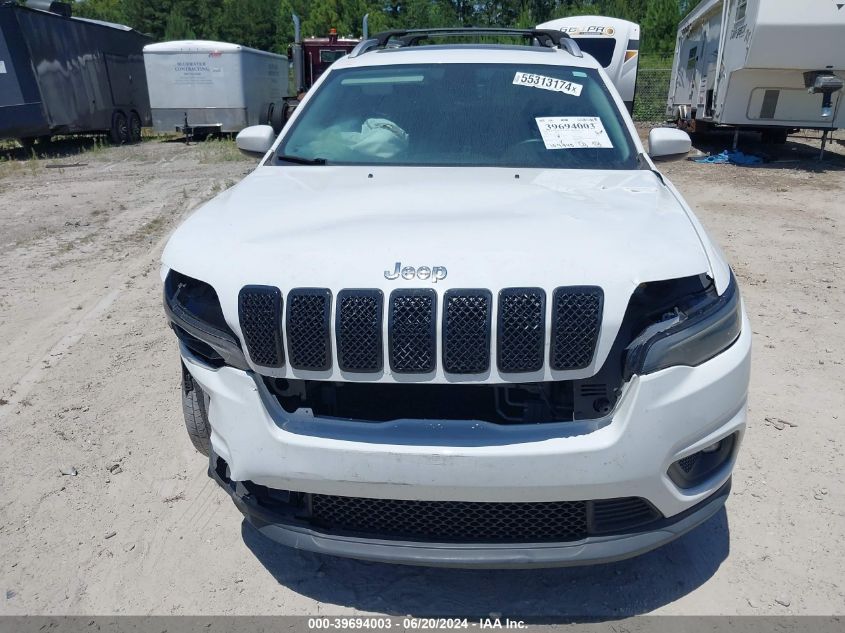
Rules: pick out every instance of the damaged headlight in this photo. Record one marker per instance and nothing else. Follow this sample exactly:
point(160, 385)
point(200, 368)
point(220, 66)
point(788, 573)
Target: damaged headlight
point(705, 326)
point(195, 315)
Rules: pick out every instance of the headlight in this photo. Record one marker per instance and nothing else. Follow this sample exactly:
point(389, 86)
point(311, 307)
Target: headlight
point(703, 327)
point(195, 315)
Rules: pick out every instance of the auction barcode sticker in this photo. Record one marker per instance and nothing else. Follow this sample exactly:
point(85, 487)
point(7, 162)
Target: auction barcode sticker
point(547, 83)
point(573, 132)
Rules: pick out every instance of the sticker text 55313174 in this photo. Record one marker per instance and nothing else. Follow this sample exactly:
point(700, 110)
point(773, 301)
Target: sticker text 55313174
point(547, 83)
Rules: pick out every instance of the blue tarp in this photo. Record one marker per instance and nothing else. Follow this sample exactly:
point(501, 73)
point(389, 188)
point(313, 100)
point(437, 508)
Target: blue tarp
point(734, 157)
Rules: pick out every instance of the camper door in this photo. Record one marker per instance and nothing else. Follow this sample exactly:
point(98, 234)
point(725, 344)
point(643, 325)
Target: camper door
point(614, 43)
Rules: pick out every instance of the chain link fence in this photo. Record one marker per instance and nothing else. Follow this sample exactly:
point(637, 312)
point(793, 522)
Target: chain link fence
point(651, 94)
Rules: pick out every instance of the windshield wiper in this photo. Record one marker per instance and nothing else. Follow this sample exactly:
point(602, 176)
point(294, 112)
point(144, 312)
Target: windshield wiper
point(300, 160)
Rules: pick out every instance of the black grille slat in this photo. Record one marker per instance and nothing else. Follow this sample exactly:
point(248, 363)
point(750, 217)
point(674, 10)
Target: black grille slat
point(480, 522)
point(307, 325)
point(412, 326)
point(466, 331)
point(521, 331)
point(453, 520)
point(576, 322)
point(614, 515)
point(259, 313)
point(358, 326)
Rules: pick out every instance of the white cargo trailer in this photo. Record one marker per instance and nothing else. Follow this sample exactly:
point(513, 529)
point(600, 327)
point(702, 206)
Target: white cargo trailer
point(199, 86)
point(766, 65)
point(614, 43)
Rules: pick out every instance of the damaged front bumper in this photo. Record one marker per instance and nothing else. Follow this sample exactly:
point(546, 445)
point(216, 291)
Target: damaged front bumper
point(284, 524)
point(637, 452)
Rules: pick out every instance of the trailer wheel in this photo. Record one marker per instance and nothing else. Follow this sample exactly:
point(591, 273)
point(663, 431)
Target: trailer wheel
point(134, 127)
point(119, 133)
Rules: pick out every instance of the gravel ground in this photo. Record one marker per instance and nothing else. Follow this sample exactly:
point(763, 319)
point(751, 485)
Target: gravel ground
point(89, 383)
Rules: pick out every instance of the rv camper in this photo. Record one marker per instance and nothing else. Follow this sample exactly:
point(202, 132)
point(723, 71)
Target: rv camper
point(200, 87)
point(615, 44)
point(66, 75)
point(765, 65)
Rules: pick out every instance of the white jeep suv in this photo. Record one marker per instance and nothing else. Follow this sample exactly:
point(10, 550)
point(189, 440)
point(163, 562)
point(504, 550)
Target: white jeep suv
point(456, 317)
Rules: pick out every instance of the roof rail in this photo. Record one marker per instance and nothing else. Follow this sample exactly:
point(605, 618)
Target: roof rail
point(412, 37)
point(363, 46)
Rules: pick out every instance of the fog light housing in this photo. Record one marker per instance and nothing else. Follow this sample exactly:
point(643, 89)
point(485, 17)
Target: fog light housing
point(695, 469)
point(712, 448)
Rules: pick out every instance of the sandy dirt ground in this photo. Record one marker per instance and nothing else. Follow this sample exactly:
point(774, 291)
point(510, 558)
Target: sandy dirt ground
point(89, 381)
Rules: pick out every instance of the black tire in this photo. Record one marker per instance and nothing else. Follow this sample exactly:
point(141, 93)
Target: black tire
point(775, 136)
point(276, 117)
point(119, 132)
point(195, 410)
point(134, 127)
point(290, 108)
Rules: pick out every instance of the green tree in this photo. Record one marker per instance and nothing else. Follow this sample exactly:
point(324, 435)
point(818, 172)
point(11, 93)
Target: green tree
point(108, 10)
point(248, 22)
point(148, 16)
point(267, 24)
point(660, 26)
point(177, 27)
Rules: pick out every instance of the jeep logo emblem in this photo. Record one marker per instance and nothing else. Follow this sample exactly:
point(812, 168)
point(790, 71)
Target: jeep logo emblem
point(433, 273)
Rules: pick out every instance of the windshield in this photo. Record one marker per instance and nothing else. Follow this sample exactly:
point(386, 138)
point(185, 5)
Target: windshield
point(496, 115)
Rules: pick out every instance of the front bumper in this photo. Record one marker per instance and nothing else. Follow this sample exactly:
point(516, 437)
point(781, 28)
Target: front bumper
point(587, 551)
point(661, 418)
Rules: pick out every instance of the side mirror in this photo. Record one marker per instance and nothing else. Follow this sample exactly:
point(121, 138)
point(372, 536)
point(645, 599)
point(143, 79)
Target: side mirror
point(666, 143)
point(255, 140)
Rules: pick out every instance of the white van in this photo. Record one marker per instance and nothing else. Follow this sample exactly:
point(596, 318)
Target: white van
point(614, 43)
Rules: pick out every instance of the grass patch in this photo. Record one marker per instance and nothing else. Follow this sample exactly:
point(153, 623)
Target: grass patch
point(69, 246)
point(150, 230)
point(220, 150)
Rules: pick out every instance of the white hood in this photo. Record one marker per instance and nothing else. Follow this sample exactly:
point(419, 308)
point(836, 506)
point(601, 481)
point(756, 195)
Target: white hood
point(343, 227)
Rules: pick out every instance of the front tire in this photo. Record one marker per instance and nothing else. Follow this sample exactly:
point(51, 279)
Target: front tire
point(195, 411)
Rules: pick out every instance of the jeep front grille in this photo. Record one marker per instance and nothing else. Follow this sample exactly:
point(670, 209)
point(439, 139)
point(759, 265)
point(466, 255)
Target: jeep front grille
point(522, 329)
point(412, 316)
point(260, 310)
point(412, 329)
point(576, 322)
point(358, 330)
point(466, 331)
point(307, 325)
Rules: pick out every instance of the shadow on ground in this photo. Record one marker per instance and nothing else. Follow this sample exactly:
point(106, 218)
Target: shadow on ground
point(57, 148)
point(70, 146)
point(801, 151)
point(626, 588)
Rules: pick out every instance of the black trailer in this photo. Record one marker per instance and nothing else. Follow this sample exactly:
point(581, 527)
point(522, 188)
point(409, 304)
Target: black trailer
point(66, 75)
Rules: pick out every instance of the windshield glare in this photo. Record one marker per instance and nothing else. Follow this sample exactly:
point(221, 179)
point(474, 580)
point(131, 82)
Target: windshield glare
point(496, 115)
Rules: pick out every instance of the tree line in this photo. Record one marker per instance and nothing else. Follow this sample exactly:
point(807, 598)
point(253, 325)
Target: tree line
point(267, 24)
